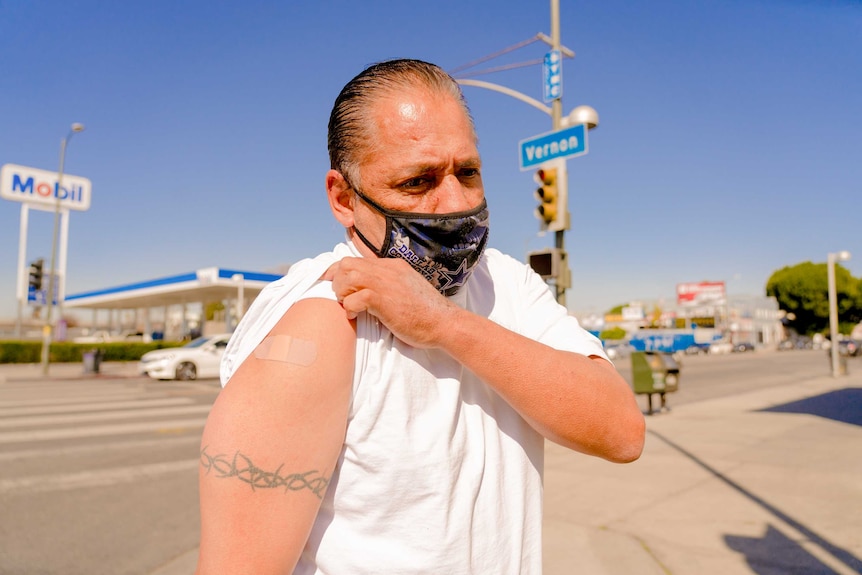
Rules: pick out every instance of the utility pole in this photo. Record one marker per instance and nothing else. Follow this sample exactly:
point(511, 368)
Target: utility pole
point(564, 276)
point(552, 264)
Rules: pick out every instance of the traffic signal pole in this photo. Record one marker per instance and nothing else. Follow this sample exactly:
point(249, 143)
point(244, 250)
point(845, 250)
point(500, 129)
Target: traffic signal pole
point(563, 278)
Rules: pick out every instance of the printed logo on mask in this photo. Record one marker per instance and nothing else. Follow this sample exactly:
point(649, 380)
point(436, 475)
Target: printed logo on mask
point(433, 271)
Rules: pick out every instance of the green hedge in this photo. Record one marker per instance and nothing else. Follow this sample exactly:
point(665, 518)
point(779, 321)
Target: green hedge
point(67, 352)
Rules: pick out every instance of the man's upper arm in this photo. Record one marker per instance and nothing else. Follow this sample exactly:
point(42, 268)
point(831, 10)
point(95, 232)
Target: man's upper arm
point(272, 440)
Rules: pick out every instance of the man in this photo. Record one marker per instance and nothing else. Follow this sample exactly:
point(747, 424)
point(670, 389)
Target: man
point(385, 404)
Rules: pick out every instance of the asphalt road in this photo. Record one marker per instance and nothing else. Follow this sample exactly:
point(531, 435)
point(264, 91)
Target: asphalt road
point(100, 475)
point(705, 377)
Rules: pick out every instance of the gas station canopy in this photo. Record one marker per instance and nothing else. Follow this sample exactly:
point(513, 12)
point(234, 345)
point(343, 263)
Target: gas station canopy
point(201, 286)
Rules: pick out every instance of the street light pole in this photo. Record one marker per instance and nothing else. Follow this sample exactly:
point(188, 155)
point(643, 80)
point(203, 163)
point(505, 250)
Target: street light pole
point(47, 327)
point(833, 306)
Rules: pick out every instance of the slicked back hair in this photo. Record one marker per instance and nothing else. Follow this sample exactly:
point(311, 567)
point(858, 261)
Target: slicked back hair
point(350, 129)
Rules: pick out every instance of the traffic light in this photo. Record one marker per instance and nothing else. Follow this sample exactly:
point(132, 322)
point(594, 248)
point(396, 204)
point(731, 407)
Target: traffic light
point(35, 280)
point(551, 193)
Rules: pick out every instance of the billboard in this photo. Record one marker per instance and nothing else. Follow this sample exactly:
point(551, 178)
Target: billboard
point(40, 187)
point(701, 293)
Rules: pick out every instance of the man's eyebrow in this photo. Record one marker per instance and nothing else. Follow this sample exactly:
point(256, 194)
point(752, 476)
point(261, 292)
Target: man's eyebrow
point(471, 163)
point(415, 170)
point(426, 168)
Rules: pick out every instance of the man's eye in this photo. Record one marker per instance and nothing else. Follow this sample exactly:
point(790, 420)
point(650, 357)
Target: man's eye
point(469, 172)
point(414, 183)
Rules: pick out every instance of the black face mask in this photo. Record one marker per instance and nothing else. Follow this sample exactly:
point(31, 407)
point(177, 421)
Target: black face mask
point(444, 248)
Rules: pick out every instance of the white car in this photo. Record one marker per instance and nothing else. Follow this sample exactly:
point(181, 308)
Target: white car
point(720, 346)
point(618, 350)
point(198, 358)
point(104, 336)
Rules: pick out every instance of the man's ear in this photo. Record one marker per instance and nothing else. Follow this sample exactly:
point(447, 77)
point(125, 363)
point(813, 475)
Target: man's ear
point(340, 197)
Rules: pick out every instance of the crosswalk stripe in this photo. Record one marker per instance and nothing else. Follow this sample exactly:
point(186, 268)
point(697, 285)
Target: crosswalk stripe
point(99, 406)
point(99, 478)
point(100, 430)
point(102, 447)
point(48, 397)
point(31, 421)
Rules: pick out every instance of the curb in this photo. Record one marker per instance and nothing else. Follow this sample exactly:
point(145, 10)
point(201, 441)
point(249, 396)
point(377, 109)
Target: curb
point(185, 564)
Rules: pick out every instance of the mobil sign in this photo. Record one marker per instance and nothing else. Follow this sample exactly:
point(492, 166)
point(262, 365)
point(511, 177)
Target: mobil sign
point(40, 187)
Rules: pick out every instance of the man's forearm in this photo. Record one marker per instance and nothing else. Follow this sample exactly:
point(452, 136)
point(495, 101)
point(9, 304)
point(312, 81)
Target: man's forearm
point(580, 402)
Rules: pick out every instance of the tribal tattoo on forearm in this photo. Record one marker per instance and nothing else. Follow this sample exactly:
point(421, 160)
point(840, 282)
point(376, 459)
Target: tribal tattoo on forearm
point(241, 467)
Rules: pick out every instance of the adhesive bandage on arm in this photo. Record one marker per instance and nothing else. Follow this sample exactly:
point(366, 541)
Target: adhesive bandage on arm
point(287, 349)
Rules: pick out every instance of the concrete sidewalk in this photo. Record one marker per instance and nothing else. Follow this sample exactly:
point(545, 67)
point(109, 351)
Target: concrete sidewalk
point(768, 482)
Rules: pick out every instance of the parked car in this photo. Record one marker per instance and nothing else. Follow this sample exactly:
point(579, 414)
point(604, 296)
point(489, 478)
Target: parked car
point(198, 358)
point(618, 350)
point(743, 346)
point(720, 346)
point(697, 349)
point(786, 344)
point(104, 336)
point(849, 347)
point(799, 342)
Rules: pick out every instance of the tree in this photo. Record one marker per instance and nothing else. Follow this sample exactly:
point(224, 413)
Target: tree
point(214, 309)
point(616, 310)
point(613, 334)
point(803, 290)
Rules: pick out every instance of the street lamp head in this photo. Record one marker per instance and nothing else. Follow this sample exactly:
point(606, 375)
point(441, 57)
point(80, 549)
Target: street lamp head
point(77, 127)
point(584, 115)
point(841, 256)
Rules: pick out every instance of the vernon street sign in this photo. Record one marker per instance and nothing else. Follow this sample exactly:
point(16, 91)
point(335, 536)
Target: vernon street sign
point(565, 143)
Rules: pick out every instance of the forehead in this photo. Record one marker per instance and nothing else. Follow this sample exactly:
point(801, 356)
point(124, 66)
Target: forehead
point(420, 125)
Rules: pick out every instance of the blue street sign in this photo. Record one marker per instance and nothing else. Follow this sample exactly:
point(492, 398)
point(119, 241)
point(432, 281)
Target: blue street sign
point(552, 74)
point(37, 297)
point(565, 143)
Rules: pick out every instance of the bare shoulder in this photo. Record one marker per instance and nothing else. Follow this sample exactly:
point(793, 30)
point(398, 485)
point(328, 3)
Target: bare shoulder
point(317, 317)
point(308, 356)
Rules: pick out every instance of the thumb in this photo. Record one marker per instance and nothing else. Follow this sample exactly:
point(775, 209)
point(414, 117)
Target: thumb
point(329, 274)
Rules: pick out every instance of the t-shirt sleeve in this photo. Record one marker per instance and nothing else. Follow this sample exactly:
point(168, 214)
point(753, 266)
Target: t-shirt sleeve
point(542, 318)
point(320, 289)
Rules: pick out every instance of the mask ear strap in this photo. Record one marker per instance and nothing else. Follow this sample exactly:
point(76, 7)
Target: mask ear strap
point(365, 241)
point(379, 252)
point(371, 202)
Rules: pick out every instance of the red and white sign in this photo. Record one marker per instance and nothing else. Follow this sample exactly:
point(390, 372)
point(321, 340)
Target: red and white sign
point(701, 293)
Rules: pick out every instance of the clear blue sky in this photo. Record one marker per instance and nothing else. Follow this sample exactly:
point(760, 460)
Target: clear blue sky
point(729, 143)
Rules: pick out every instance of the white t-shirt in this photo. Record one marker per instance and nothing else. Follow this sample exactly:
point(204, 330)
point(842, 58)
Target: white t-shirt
point(438, 474)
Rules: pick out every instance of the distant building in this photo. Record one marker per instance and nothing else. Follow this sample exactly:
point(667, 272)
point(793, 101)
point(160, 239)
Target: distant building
point(736, 319)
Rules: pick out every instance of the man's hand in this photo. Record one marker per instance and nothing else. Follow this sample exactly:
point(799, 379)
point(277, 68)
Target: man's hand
point(580, 402)
point(393, 292)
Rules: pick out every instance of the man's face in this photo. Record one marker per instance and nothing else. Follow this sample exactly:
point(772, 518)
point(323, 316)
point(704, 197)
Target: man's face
point(422, 157)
